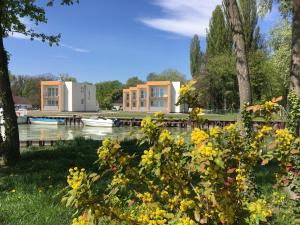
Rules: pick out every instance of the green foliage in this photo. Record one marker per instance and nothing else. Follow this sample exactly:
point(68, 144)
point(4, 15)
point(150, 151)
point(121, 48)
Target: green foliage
point(195, 57)
point(218, 39)
point(167, 75)
point(208, 180)
point(107, 92)
point(133, 81)
point(221, 82)
point(294, 113)
point(280, 43)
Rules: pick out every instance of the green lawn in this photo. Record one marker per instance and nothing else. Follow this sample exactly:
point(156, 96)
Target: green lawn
point(28, 191)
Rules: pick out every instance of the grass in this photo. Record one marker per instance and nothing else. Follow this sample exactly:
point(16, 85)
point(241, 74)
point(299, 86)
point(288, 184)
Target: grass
point(29, 191)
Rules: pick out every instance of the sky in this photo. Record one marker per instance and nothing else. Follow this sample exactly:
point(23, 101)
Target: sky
point(116, 39)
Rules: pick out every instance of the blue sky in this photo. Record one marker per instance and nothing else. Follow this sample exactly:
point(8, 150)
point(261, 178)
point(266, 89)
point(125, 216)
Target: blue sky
point(116, 39)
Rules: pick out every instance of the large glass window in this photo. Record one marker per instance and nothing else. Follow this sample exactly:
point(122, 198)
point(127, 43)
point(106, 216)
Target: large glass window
point(161, 92)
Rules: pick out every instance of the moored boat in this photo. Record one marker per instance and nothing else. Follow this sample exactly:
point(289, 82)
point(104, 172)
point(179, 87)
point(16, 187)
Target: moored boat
point(98, 122)
point(46, 121)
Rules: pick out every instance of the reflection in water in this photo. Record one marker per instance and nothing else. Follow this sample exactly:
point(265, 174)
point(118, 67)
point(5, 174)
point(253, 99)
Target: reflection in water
point(53, 132)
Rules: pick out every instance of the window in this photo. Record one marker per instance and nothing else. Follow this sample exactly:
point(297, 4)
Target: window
point(152, 92)
point(161, 92)
point(134, 104)
point(89, 97)
point(82, 101)
point(127, 97)
point(142, 104)
point(133, 95)
point(142, 94)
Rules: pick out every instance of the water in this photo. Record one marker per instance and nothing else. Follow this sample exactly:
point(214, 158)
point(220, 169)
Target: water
point(53, 132)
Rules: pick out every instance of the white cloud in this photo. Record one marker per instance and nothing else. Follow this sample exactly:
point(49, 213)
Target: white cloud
point(75, 49)
point(183, 17)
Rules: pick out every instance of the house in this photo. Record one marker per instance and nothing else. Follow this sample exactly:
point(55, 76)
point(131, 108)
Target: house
point(154, 96)
point(22, 103)
point(68, 96)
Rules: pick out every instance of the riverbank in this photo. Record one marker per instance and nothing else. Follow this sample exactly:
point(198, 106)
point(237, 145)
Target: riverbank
point(30, 189)
point(129, 115)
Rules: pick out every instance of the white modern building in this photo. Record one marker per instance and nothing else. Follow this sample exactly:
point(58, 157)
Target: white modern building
point(68, 96)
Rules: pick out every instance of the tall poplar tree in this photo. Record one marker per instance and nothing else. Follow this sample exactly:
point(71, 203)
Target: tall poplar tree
point(221, 79)
point(12, 13)
point(195, 57)
point(234, 19)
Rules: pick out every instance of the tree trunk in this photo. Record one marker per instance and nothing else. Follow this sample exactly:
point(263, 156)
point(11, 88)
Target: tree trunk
point(295, 65)
point(10, 147)
point(234, 19)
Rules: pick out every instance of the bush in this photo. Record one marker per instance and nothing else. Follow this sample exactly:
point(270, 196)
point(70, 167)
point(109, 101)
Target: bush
point(207, 180)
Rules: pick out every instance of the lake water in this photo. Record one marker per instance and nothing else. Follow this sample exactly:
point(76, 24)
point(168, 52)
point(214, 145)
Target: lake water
point(53, 132)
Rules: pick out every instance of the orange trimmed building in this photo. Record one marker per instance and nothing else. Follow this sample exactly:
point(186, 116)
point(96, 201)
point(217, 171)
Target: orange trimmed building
point(154, 96)
point(68, 96)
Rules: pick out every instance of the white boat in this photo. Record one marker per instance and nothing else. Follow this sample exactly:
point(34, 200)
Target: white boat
point(46, 121)
point(21, 116)
point(98, 122)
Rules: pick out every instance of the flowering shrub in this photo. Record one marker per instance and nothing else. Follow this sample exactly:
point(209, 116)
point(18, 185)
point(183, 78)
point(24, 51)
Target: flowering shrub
point(207, 180)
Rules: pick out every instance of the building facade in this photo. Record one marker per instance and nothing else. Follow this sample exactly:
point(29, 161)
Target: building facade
point(154, 96)
point(68, 96)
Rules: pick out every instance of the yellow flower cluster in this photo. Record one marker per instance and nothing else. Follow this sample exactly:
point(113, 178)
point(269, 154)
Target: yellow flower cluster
point(268, 106)
point(76, 177)
point(147, 158)
point(283, 138)
point(241, 179)
point(186, 204)
point(215, 131)
point(205, 151)
point(277, 198)
point(159, 115)
point(259, 209)
point(186, 221)
point(185, 89)
point(103, 153)
point(120, 179)
point(80, 221)
point(165, 136)
point(197, 111)
point(265, 130)
point(157, 217)
point(179, 141)
point(145, 198)
point(231, 127)
point(198, 136)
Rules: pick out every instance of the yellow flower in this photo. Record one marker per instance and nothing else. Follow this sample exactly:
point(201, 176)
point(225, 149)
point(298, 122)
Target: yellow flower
point(186, 221)
point(165, 136)
point(147, 158)
point(180, 141)
point(13, 190)
point(80, 221)
point(259, 209)
point(231, 127)
point(215, 131)
point(76, 177)
point(145, 198)
point(265, 130)
point(205, 151)
point(199, 136)
point(283, 139)
point(186, 204)
point(119, 179)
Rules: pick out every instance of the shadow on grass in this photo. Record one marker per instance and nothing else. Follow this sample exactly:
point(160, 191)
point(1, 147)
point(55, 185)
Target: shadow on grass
point(28, 191)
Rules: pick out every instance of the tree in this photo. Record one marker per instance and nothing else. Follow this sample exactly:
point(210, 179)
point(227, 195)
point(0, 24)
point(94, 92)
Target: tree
point(220, 77)
point(195, 58)
point(167, 75)
point(67, 77)
point(249, 19)
point(133, 81)
point(234, 19)
point(280, 44)
point(218, 38)
point(106, 93)
point(11, 14)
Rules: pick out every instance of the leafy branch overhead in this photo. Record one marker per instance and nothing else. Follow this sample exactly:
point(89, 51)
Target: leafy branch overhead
point(15, 13)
